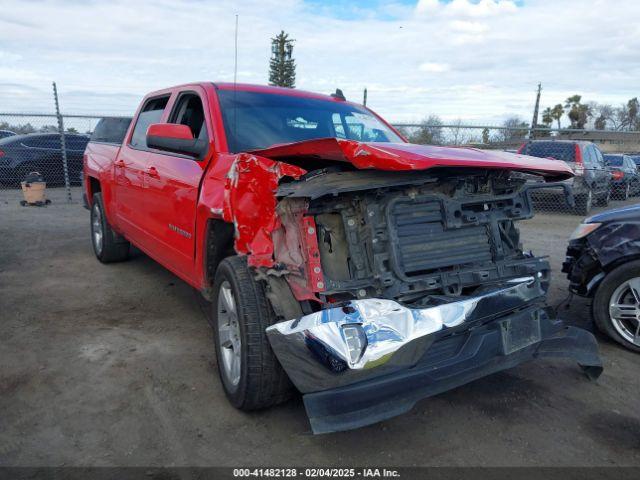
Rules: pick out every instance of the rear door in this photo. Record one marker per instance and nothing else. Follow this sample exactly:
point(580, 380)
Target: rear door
point(172, 185)
point(129, 174)
point(602, 174)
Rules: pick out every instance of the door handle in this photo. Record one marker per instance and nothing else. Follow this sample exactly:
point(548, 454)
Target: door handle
point(120, 163)
point(152, 172)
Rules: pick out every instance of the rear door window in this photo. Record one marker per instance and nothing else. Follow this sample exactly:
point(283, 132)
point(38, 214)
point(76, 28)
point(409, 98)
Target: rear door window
point(111, 130)
point(598, 158)
point(151, 113)
point(588, 156)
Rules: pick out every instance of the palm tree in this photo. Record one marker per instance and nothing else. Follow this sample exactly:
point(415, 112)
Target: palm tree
point(547, 116)
point(556, 114)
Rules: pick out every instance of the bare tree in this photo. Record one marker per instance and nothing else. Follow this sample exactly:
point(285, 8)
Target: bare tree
point(429, 132)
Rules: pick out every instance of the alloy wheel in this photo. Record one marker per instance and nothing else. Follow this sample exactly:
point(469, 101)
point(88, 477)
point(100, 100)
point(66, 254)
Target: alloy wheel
point(96, 228)
point(229, 341)
point(624, 310)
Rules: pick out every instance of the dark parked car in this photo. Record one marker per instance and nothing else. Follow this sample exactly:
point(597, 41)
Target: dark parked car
point(6, 133)
point(625, 180)
point(41, 152)
point(603, 263)
point(592, 181)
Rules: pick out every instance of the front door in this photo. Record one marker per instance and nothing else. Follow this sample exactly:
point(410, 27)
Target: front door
point(172, 185)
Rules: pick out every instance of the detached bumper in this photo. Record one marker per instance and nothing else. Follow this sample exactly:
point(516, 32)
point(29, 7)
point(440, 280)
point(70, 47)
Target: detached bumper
point(448, 364)
point(374, 359)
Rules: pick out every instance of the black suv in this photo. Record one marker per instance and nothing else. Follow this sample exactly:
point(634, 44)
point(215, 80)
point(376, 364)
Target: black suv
point(592, 181)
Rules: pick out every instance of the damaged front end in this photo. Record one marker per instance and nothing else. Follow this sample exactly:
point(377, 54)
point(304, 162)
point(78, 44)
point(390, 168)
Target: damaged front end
point(394, 285)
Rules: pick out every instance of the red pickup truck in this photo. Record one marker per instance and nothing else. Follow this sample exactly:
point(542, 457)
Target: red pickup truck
point(338, 258)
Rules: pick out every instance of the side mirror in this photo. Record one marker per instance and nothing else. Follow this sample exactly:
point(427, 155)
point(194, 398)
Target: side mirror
point(175, 138)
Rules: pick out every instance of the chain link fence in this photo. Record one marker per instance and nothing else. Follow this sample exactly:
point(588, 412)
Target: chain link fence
point(50, 145)
point(603, 161)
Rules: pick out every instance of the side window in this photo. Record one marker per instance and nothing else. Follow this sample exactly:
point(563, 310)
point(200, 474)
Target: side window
point(598, 156)
point(49, 142)
point(364, 128)
point(189, 111)
point(151, 113)
point(587, 156)
point(76, 143)
point(338, 127)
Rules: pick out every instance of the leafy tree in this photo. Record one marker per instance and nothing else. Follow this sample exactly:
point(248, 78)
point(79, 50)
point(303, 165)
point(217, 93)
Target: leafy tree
point(514, 128)
point(578, 112)
point(627, 115)
point(485, 136)
point(282, 66)
point(556, 113)
point(547, 116)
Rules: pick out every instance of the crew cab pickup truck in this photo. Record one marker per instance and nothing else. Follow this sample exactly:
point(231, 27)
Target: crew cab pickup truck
point(364, 271)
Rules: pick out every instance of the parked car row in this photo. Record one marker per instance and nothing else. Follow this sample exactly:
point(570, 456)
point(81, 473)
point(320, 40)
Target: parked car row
point(42, 152)
point(625, 180)
point(597, 178)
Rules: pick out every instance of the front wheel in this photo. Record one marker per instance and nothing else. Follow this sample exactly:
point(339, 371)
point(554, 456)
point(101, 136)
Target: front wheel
point(251, 375)
point(616, 305)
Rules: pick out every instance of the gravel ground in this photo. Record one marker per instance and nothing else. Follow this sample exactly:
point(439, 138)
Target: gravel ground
point(114, 365)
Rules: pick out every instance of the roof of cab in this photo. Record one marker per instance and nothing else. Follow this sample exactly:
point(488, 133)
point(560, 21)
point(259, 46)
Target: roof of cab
point(294, 92)
point(246, 87)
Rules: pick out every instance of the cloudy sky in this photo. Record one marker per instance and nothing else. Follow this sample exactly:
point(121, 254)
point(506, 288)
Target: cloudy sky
point(479, 60)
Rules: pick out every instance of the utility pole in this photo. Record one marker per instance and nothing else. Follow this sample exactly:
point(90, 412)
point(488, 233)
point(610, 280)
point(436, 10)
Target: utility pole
point(534, 120)
point(63, 144)
point(364, 99)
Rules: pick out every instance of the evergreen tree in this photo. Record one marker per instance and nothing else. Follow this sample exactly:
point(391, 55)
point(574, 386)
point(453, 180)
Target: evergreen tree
point(282, 66)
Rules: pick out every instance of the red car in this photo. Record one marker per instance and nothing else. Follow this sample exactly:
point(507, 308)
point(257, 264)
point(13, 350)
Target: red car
point(365, 271)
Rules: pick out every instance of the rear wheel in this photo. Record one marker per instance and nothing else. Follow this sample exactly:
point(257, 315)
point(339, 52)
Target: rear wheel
point(584, 203)
point(626, 192)
point(107, 244)
point(605, 198)
point(616, 305)
point(250, 372)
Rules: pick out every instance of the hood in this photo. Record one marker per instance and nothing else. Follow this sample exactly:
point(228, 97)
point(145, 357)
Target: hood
point(408, 156)
point(624, 214)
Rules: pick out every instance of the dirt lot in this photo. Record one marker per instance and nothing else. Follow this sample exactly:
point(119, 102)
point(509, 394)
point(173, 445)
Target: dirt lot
point(114, 365)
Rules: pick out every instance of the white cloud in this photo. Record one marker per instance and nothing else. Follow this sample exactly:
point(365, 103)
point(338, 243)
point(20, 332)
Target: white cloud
point(469, 27)
point(433, 67)
point(467, 8)
point(471, 59)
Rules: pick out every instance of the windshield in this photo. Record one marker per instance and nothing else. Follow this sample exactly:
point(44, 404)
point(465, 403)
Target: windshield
point(254, 120)
point(613, 160)
point(557, 150)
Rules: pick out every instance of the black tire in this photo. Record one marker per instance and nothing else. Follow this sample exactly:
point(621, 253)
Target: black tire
point(584, 203)
point(112, 247)
point(606, 198)
point(626, 193)
point(262, 381)
point(603, 296)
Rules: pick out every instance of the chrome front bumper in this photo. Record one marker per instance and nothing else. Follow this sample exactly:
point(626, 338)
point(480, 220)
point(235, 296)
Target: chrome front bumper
point(369, 338)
